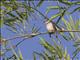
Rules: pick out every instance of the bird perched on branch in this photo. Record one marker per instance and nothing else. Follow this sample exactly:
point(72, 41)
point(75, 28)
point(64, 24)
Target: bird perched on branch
point(51, 27)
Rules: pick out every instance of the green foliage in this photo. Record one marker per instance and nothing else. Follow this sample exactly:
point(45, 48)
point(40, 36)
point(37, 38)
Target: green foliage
point(53, 52)
point(54, 8)
point(54, 16)
point(76, 52)
point(16, 7)
point(40, 3)
point(69, 3)
point(68, 25)
point(1, 23)
point(16, 15)
point(76, 9)
point(20, 55)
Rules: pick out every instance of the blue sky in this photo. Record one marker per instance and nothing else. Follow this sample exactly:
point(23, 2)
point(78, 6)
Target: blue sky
point(33, 44)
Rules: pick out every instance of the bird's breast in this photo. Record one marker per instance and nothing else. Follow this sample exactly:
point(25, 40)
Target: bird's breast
point(50, 27)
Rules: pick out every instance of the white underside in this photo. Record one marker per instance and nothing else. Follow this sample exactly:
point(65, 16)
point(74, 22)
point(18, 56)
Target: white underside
point(50, 27)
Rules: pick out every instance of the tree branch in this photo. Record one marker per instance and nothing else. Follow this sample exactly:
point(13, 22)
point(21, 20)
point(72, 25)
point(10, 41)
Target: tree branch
point(35, 34)
point(69, 31)
point(27, 36)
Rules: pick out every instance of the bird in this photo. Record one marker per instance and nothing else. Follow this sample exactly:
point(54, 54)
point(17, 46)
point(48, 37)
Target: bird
point(51, 27)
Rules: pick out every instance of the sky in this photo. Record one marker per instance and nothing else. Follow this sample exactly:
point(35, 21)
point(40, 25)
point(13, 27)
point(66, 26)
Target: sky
point(30, 45)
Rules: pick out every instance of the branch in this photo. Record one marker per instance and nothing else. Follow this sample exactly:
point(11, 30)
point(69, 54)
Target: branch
point(35, 34)
point(68, 30)
point(27, 36)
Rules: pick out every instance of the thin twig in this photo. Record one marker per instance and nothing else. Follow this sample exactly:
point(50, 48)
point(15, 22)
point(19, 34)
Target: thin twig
point(35, 34)
point(26, 35)
point(69, 31)
point(20, 42)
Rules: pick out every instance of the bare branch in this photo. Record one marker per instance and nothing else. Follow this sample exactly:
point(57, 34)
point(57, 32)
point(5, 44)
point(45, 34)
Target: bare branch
point(27, 35)
point(35, 34)
point(69, 31)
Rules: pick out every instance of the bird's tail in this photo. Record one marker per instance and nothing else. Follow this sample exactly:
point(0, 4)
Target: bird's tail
point(49, 34)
